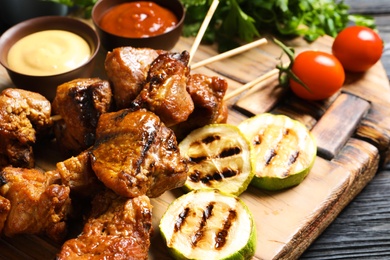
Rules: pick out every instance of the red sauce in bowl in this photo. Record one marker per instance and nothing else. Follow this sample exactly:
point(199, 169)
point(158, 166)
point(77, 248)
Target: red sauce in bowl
point(138, 19)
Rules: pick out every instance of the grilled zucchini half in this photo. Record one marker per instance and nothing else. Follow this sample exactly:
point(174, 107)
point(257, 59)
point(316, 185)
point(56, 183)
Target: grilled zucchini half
point(208, 224)
point(283, 152)
point(218, 156)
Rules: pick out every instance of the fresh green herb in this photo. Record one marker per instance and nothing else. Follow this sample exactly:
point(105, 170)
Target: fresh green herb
point(82, 7)
point(246, 19)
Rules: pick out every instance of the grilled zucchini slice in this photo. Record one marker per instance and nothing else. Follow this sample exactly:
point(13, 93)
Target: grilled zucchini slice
point(218, 156)
point(283, 152)
point(207, 224)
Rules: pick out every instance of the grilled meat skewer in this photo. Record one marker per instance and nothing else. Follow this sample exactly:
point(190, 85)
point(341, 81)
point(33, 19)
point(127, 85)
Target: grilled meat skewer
point(157, 80)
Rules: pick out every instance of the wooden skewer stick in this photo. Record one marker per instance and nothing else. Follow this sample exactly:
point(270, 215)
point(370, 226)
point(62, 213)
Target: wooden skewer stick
point(230, 53)
point(250, 84)
point(203, 28)
point(56, 118)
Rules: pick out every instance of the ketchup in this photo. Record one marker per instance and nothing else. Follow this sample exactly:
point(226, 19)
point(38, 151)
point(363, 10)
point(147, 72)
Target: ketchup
point(138, 19)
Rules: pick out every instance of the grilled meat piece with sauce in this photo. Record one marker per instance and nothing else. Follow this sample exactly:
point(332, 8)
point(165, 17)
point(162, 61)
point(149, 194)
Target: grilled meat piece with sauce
point(127, 68)
point(80, 103)
point(207, 94)
point(136, 154)
point(24, 115)
point(38, 204)
point(165, 92)
point(118, 228)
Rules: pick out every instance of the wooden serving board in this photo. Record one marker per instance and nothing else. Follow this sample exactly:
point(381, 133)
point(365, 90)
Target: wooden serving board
point(353, 135)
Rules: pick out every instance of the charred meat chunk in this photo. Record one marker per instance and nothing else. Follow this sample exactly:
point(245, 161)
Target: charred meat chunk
point(207, 94)
point(127, 68)
point(24, 115)
point(38, 204)
point(80, 103)
point(136, 154)
point(77, 174)
point(165, 92)
point(118, 228)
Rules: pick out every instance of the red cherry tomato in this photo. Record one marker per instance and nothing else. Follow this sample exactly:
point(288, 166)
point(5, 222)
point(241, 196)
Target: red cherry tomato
point(321, 72)
point(357, 48)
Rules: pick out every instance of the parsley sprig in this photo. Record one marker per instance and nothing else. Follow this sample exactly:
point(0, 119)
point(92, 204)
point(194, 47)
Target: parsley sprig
point(82, 7)
point(246, 19)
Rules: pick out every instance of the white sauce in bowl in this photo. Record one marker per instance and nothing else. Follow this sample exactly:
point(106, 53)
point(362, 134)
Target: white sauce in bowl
point(48, 53)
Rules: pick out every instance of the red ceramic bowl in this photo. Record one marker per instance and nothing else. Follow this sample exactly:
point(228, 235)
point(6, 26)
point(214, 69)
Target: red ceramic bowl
point(47, 85)
point(165, 41)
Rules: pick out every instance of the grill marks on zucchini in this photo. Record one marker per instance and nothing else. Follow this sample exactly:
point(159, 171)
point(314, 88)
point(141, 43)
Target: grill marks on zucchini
point(210, 139)
point(208, 224)
point(283, 152)
point(207, 179)
point(226, 152)
point(280, 146)
point(200, 232)
point(181, 219)
point(220, 239)
point(231, 151)
point(209, 155)
point(218, 157)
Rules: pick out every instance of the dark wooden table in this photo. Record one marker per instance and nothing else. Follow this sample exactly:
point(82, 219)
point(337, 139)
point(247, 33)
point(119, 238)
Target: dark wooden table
point(362, 230)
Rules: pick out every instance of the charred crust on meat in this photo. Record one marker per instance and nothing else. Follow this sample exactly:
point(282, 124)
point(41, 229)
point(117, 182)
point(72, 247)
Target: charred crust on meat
point(148, 140)
point(84, 100)
point(3, 180)
point(123, 113)
point(135, 105)
point(156, 80)
point(184, 57)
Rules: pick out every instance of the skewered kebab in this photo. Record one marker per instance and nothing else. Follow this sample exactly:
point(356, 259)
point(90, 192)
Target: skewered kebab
point(134, 154)
point(164, 86)
point(80, 103)
point(34, 187)
point(40, 202)
point(155, 180)
point(169, 90)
